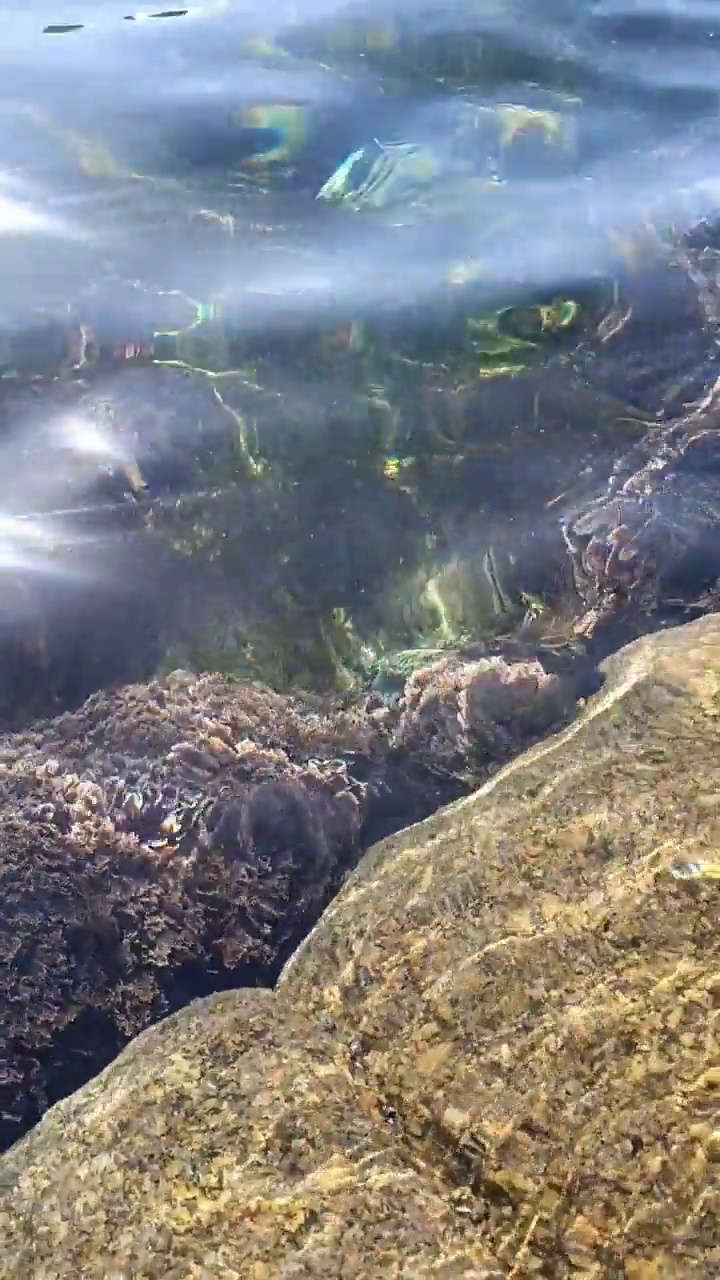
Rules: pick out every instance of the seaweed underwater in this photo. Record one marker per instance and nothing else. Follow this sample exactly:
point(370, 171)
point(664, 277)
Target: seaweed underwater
point(269, 596)
point(167, 838)
point(180, 837)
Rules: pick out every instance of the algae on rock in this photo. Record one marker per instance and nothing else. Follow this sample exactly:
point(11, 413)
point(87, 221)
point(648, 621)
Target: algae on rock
point(173, 839)
point(496, 1055)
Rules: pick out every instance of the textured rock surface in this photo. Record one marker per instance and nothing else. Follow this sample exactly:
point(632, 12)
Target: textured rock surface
point(494, 1056)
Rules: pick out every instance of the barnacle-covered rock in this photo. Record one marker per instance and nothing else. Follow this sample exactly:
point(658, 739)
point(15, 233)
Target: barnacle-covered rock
point(493, 1057)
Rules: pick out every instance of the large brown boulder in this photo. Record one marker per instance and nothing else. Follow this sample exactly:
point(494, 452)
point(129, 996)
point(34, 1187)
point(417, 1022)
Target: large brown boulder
point(494, 1056)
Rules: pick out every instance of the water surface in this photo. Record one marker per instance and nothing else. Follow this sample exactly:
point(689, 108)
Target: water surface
point(132, 204)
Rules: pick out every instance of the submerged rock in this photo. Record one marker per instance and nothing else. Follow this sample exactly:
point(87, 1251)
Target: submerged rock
point(493, 1057)
point(646, 552)
point(183, 836)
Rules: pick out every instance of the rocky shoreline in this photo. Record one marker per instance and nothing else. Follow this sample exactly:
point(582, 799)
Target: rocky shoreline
point(181, 836)
point(166, 840)
point(493, 1057)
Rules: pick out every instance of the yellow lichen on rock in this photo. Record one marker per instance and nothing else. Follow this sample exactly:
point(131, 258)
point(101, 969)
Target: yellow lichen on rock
point(495, 1056)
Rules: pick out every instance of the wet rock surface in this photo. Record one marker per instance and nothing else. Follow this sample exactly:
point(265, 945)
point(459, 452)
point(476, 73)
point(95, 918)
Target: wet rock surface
point(494, 1056)
point(181, 837)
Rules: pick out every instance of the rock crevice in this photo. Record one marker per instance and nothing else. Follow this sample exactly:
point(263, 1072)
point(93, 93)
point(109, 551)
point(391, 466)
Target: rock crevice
point(495, 1056)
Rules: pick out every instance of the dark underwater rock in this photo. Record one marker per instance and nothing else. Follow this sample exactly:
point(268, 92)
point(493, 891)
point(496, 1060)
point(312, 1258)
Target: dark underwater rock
point(87, 616)
point(647, 551)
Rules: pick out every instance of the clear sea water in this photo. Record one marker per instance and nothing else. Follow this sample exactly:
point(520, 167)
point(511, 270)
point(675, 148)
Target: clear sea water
point(127, 205)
